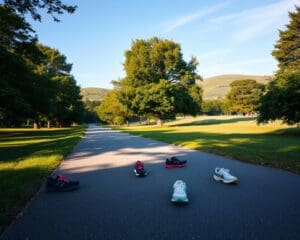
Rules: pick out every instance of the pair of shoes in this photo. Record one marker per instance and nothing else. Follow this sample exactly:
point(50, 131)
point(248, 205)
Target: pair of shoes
point(222, 174)
point(174, 162)
point(179, 192)
point(60, 183)
point(139, 169)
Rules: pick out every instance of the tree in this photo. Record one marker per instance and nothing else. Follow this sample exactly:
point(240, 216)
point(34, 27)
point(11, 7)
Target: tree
point(52, 7)
point(212, 107)
point(64, 97)
point(287, 48)
point(282, 101)
point(158, 81)
point(244, 96)
point(110, 108)
point(283, 96)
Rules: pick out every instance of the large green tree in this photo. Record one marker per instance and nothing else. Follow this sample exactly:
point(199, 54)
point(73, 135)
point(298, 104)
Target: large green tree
point(287, 48)
point(111, 110)
point(244, 96)
point(158, 81)
point(282, 100)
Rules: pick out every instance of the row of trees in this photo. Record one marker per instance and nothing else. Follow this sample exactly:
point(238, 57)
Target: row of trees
point(160, 84)
point(243, 98)
point(35, 80)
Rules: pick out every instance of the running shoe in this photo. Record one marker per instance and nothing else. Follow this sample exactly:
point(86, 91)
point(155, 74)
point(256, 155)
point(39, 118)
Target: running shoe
point(222, 174)
point(179, 192)
point(139, 169)
point(60, 183)
point(174, 162)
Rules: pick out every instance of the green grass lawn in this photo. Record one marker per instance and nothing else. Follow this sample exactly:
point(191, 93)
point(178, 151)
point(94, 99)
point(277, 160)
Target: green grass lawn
point(241, 138)
point(27, 156)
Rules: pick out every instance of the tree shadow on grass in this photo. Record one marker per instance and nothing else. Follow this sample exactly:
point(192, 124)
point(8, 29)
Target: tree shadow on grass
point(53, 142)
point(214, 121)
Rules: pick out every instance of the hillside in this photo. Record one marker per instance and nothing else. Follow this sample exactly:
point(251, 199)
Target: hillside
point(218, 86)
point(93, 94)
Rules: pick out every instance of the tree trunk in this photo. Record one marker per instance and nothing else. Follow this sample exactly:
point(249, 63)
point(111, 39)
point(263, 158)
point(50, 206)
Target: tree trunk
point(48, 124)
point(159, 121)
point(36, 124)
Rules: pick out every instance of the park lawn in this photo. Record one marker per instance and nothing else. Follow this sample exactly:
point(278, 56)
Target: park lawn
point(27, 156)
point(240, 138)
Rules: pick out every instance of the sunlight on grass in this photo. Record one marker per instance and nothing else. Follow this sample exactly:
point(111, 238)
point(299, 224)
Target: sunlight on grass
point(26, 157)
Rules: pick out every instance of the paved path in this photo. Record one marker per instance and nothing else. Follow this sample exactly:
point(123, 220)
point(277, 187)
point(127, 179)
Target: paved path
point(113, 204)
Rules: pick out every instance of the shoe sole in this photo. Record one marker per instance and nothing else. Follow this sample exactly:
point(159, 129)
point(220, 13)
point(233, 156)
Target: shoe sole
point(175, 166)
point(179, 200)
point(140, 175)
point(219, 179)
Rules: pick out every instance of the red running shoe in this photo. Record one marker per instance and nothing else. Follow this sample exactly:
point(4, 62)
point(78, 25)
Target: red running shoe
point(139, 169)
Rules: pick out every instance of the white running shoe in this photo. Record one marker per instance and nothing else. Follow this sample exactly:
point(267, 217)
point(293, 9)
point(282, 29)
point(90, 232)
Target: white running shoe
point(222, 174)
point(179, 192)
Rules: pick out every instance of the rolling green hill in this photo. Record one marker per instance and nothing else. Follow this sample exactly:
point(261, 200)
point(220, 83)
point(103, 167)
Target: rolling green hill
point(218, 86)
point(93, 94)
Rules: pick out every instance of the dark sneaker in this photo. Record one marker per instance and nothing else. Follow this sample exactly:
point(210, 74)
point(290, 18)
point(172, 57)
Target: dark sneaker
point(139, 169)
point(175, 162)
point(61, 184)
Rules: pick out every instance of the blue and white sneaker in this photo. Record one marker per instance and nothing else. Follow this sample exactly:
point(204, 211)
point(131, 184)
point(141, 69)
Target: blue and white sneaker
point(179, 192)
point(222, 174)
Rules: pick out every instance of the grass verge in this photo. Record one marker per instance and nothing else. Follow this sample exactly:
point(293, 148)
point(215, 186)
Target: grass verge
point(272, 144)
point(26, 157)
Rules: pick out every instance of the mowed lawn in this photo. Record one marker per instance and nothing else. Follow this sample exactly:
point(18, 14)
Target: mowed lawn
point(27, 156)
point(240, 138)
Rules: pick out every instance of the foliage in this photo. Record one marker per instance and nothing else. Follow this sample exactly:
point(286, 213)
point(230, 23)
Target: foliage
point(158, 81)
point(27, 67)
point(212, 107)
point(244, 96)
point(110, 108)
point(52, 7)
point(287, 48)
point(90, 115)
point(282, 101)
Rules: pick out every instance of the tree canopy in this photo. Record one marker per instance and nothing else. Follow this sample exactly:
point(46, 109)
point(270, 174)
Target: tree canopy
point(287, 48)
point(158, 82)
point(35, 80)
point(244, 96)
point(282, 100)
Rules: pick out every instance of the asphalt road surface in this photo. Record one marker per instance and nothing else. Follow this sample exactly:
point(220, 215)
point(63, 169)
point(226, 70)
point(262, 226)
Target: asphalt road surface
point(114, 204)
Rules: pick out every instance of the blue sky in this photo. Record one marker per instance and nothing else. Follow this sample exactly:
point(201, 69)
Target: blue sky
point(228, 36)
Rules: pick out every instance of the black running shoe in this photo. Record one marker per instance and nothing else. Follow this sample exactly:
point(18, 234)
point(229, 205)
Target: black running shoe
point(174, 162)
point(61, 184)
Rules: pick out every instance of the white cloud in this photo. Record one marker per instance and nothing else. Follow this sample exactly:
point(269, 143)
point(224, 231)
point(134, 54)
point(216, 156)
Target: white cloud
point(255, 22)
point(183, 20)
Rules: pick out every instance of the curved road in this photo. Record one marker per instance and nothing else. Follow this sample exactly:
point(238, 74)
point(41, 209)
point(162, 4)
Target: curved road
point(114, 204)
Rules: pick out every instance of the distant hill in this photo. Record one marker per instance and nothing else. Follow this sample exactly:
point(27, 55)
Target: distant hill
point(93, 94)
point(218, 86)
